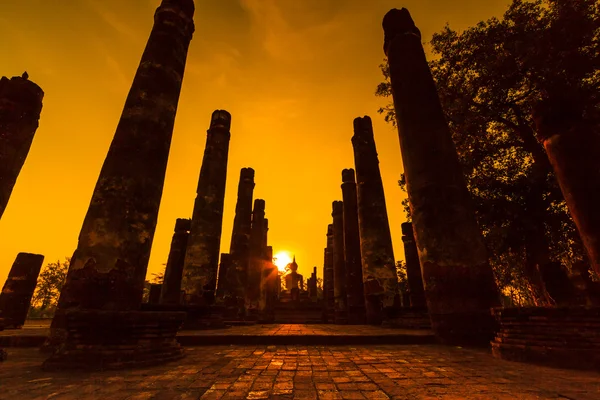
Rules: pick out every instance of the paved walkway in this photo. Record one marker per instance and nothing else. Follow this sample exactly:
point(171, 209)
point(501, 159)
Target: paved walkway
point(304, 372)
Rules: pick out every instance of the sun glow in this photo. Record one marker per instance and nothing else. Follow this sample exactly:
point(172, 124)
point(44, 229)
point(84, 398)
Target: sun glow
point(281, 259)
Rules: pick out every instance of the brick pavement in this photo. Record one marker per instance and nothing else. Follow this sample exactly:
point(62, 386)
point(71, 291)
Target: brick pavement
point(304, 372)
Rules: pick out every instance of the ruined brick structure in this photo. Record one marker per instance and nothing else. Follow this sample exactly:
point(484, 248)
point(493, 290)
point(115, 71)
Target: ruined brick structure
point(255, 266)
point(459, 283)
point(19, 288)
point(171, 288)
point(380, 279)
point(416, 292)
point(202, 253)
point(339, 264)
point(20, 109)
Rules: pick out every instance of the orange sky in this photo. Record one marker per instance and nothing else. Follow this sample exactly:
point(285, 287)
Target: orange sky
point(293, 73)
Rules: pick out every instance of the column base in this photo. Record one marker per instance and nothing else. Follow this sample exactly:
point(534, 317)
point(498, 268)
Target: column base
point(563, 337)
point(106, 340)
point(340, 317)
point(468, 329)
point(410, 318)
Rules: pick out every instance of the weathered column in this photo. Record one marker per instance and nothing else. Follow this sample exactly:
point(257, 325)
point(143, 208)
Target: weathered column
point(329, 275)
point(154, 294)
point(108, 268)
point(256, 259)
point(240, 237)
point(339, 264)
point(171, 288)
point(268, 288)
point(223, 287)
point(354, 275)
point(202, 253)
point(380, 279)
point(416, 291)
point(573, 145)
point(459, 283)
point(20, 109)
point(18, 289)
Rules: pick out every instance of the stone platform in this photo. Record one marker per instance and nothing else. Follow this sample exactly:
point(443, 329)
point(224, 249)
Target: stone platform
point(34, 333)
point(304, 372)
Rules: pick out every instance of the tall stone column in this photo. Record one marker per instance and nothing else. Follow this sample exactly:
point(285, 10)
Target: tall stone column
point(108, 268)
point(18, 289)
point(240, 237)
point(223, 287)
point(380, 279)
point(20, 109)
point(202, 254)
point(354, 275)
point(268, 286)
point(328, 276)
point(573, 145)
point(459, 283)
point(339, 264)
point(416, 291)
point(256, 259)
point(171, 288)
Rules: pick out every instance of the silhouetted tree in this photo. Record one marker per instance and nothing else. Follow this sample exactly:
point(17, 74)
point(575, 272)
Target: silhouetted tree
point(50, 282)
point(319, 288)
point(489, 78)
point(402, 279)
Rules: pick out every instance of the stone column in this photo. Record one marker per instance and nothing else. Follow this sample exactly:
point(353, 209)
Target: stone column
point(268, 286)
point(18, 289)
point(108, 268)
point(171, 288)
point(20, 109)
point(223, 287)
point(329, 275)
point(380, 279)
point(339, 264)
point(202, 254)
point(573, 145)
point(416, 291)
point(154, 294)
point(459, 283)
point(256, 259)
point(240, 237)
point(354, 275)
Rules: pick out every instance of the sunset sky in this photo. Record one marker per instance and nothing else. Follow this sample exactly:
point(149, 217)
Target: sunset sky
point(293, 74)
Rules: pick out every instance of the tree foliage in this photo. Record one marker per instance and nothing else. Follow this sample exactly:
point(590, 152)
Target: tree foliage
point(490, 78)
point(49, 284)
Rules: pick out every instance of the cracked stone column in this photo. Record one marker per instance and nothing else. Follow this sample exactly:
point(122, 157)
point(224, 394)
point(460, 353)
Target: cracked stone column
point(255, 267)
point(240, 237)
point(223, 286)
point(202, 254)
point(19, 288)
point(20, 109)
point(458, 280)
point(106, 276)
point(171, 288)
point(328, 275)
point(573, 145)
point(268, 288)
point(354, 274)
point(339, 264)
point(380, 279)
point(416, 291)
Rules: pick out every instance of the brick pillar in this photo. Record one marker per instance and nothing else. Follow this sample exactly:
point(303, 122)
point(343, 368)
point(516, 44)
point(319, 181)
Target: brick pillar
point(339, 264)
point(240, 236)
point(328, 276)
point(416, 291)
point(354, 275)
point(459, 283)
point(154, 295)
point(20, 109)
point(380, 279)
point(18, 289)
point(256, 259)
point(202, 254)
point(171, 288)
point(223, 286)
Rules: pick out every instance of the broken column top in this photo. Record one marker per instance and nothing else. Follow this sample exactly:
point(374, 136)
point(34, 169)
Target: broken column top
point(338, 208)
point(247, 174)
point(259, 205)
point(187, 6)
point(220, 119)
point(20, 88)
point(363, 125)
point(407, 229)
point(183, 224)
point(348, 176)
point(398, 22)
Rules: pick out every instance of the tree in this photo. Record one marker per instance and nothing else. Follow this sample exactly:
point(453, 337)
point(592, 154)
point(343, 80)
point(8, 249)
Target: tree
point(49, 284)
point(402, 279)
point(490, 78)
point(319, 288)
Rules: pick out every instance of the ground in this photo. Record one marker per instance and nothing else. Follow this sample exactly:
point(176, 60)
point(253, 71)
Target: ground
point(304, 372)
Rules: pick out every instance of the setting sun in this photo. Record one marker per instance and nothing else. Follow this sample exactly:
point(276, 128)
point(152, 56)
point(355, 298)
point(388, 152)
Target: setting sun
point(281, 259)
